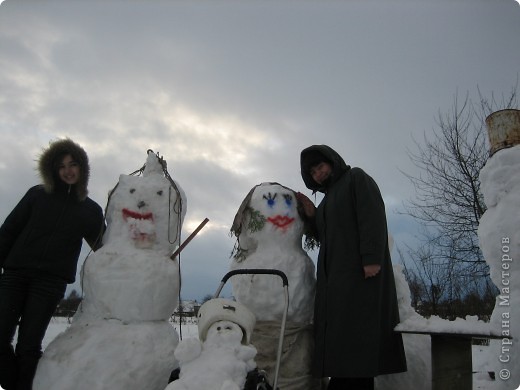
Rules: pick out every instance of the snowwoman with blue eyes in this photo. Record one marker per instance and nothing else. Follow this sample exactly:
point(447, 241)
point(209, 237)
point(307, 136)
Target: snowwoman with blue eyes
point(269, 230)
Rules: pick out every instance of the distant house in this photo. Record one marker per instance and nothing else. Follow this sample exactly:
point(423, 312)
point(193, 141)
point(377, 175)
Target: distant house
point(187, 309)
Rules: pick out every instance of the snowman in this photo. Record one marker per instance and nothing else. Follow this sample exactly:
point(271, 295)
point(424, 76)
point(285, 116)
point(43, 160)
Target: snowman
point(499, 237)
point(221, 357)
point(120, 338)
point(269, 231)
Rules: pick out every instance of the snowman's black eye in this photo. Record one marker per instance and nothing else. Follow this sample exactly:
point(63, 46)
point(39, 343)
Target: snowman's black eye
point(159, 192)
point(219, 328)
point(132, 190)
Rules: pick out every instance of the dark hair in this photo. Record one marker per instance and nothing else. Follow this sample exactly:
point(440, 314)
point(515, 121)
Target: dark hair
point(313, 158)
point(59, 158)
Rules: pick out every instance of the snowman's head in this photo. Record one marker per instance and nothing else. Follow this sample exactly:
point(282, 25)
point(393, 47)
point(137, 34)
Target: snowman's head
point(221, 310)
point(275, 207)
point(146, 211)
point(224, 333)
point(269, 214)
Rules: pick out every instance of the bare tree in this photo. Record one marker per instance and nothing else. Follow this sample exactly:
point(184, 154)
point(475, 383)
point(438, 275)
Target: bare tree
point(207, 297)
point(448, 202)
point(430, 279)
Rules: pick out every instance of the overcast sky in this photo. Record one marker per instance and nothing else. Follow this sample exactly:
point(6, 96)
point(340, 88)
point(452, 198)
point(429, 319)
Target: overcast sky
point(230, 92)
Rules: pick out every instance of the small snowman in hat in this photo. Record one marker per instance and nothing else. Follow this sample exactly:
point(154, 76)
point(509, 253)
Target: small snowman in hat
point(221, 357)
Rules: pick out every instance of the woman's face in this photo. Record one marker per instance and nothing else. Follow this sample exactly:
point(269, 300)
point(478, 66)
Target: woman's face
point(68, 170)
point(321, 172)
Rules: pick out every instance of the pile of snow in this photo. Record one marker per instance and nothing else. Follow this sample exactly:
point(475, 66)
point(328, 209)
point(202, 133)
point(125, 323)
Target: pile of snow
point(470, 325)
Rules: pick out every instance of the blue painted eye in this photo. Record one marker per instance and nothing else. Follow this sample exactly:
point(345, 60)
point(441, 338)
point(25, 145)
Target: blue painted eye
point(288, 200)
point(270, 199)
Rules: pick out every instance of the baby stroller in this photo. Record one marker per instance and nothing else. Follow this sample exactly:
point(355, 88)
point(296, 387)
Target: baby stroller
point(257, 379)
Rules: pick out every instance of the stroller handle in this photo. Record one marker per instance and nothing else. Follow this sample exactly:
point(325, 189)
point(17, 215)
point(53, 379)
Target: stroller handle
point(257, 271)
point(266, 271)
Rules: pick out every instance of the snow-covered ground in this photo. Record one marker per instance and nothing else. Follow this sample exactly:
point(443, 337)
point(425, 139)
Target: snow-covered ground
point(481, 365)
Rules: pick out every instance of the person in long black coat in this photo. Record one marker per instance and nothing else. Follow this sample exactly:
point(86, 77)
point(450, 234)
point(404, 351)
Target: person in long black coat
point(356, 304)
point(40, 242)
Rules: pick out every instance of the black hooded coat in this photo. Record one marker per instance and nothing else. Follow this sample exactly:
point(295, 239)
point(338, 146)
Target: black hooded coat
point(354, 317)
point(44, 232)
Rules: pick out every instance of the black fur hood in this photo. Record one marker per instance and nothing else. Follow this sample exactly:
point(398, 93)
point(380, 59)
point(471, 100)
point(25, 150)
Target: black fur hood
point(50, 159)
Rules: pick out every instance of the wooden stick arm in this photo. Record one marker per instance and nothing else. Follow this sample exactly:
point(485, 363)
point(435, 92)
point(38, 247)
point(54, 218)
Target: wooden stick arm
point(190, 237)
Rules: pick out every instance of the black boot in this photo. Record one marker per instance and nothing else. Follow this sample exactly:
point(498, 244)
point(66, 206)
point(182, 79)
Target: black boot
point(8, 369)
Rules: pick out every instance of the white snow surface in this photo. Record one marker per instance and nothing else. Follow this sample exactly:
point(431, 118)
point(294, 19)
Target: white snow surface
point(120, 338)
point(481, 362)
point(470, 325)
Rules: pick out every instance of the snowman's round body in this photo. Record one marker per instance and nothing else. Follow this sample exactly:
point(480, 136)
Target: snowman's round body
point(120, 338)
point(130, 285)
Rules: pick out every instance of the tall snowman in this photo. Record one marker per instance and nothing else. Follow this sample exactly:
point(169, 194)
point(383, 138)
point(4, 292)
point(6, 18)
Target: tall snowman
point(269, 233)
point(120, 338)
point(499, 236)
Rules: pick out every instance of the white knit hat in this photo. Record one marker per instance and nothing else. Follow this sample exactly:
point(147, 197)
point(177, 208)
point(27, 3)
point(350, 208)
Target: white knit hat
point(220, 309)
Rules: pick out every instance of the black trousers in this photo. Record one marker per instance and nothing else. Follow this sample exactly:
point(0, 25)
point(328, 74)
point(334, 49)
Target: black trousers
point(27, 300)
point(351, 384)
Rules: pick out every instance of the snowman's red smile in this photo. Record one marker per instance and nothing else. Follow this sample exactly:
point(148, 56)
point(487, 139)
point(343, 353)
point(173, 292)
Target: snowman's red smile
point(135, 215)
point(281, 221)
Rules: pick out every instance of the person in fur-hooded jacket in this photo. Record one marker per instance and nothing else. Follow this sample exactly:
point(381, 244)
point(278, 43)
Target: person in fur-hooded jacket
point(40, 243)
